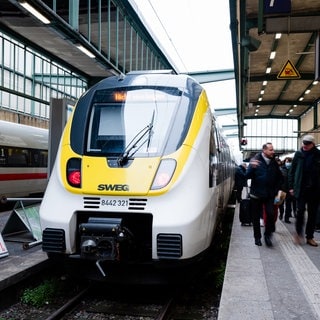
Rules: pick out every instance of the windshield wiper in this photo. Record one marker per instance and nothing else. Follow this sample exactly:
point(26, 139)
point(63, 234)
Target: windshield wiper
point(135, 144)
point(150, 131)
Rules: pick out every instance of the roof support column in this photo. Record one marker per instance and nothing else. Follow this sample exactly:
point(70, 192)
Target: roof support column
point(74, 14)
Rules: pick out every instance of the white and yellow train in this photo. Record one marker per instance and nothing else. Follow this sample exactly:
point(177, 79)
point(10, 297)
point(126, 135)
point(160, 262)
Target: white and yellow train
point(141, 176)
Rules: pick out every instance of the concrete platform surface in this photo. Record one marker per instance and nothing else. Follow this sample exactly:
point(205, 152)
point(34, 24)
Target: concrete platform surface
point(280, 282)
point(20, 262)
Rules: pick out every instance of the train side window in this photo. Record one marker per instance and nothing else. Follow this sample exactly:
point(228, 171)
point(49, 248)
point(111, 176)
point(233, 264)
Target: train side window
point(43, 158)
point(3, 156)
point(39, 158)
point(213, 148)
point(212, 161)
point(17, 160)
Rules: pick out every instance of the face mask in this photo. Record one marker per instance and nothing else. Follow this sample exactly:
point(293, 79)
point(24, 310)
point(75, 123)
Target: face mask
point(288, 165)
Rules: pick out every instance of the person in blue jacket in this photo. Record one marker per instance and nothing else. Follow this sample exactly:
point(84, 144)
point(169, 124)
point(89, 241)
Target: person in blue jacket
point(304, 185)
point(266, 180)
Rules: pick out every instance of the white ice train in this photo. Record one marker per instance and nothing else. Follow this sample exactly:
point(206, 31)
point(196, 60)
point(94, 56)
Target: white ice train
point(141, 175)
point(23, 160)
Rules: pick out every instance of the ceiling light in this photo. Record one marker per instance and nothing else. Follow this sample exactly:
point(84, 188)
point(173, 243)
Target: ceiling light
point(305, 52)
point(264, 83)
point(307, 91)
point(257, 110)
point(268, 70)
point(295, 105)
point(272, 55)
point(290, 110)
point(260, 99)
point(262, 92)
point(315, 82)
point(86, 51)
point(301, 98)
point(35, 12)
point(278, 35)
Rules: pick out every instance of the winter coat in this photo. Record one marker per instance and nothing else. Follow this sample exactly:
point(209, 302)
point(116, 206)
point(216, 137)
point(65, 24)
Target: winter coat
point(285, 185)
point(296, 179)
point(266, 180)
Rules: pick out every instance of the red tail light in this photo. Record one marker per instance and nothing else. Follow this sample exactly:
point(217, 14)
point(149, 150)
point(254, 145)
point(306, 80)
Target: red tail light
point(74, 172)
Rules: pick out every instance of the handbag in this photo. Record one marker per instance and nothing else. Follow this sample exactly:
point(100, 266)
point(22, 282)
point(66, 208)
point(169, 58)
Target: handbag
point(279, 198)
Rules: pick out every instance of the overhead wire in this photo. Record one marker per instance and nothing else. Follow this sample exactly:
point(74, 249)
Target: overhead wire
point(167, 34)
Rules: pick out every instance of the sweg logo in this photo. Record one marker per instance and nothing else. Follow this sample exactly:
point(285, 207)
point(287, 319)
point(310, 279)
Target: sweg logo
point(113, 187)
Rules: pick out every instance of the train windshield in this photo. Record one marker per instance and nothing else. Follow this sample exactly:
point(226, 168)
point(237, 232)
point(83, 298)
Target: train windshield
point(138, 121)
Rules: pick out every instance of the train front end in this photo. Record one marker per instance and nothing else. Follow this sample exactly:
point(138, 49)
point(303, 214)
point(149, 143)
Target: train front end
point(131, 182)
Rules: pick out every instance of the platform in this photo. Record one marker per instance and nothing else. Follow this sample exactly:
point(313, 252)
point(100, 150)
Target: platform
point(19, 263)
point(278, 282)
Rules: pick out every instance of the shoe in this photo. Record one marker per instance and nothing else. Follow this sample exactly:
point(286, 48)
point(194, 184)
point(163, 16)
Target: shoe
point(268, 241)
point(287, 221)
point(312, 243)
point(297, 239)
point(258, 242)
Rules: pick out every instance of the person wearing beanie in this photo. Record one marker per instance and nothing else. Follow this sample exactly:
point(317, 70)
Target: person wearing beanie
point(304, 184)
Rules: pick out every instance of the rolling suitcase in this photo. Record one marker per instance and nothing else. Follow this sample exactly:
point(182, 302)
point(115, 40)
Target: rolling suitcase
point(245, 211)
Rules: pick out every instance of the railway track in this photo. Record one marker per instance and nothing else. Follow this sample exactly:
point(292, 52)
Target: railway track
point(105, 308)
point(197, 299)
point(134, 303)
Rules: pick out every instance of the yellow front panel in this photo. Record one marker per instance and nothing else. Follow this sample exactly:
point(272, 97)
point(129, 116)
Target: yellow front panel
point(136, 179)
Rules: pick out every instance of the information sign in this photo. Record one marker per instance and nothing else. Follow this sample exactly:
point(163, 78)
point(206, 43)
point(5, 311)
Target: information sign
point(277, 6)
point(23, 223)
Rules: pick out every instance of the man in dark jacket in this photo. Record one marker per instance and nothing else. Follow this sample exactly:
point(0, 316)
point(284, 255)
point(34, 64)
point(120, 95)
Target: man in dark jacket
point(266, 179)
point(304, 184)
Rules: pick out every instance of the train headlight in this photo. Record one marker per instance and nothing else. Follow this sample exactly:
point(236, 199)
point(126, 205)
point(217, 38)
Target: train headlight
point(74, 172)
point(164, 173)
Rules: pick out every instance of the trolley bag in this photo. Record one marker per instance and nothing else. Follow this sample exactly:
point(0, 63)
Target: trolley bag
point(245, 212)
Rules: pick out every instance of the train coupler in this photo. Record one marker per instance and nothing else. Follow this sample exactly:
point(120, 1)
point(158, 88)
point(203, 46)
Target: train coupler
point(100, 237)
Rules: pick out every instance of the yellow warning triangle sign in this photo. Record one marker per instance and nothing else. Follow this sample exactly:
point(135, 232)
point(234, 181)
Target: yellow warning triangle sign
point(288, 71)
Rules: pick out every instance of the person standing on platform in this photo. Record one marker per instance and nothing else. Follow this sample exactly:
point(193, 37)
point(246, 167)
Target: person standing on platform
point(280, 207)
point(289, 202)
point(240, 180)
point(266, 179)
point(304, 185)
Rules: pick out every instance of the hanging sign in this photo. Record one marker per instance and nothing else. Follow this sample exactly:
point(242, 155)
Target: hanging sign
point(277, 6)
point(288, 72)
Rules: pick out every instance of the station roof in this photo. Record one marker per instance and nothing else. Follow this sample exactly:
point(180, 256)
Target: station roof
point(58, 40)
point(275, 76)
